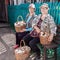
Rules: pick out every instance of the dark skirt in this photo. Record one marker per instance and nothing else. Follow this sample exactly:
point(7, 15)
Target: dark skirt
point(19, 36)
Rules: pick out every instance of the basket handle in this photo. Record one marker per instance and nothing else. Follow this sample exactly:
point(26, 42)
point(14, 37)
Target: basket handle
point(20, 17)
point(21, 43)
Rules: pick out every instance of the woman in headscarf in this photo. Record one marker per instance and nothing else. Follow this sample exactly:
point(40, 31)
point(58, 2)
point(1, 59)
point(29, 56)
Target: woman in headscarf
point(29, 18)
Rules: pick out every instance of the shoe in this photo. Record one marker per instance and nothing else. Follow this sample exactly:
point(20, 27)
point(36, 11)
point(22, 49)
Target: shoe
point(37, 57)
point(32, 55)
point(16, 46)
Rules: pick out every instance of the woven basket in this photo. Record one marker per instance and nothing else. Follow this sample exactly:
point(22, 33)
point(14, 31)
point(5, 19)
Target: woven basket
point(19, 25)
point(23, 52)
point(44, 38)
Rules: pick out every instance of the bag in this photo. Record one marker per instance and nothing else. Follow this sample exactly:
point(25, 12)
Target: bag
point(33, 33)
point(23, 52)
point(44, 38)
point(19, 25)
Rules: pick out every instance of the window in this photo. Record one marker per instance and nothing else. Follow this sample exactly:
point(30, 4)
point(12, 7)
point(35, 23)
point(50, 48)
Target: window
point(29, 1)
point(18, 2)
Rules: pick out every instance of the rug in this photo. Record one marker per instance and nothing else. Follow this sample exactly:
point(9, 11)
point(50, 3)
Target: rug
point(9, 39)
point(2, 48)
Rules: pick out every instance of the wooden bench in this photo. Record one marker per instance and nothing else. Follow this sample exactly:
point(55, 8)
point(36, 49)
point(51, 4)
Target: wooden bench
point(51, 46)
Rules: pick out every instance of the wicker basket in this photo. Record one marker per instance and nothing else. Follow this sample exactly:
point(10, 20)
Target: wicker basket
point(19, 25)
point(23, 52)
point(44, 38)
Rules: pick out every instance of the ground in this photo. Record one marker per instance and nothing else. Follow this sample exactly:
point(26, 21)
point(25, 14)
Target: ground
point(9, 54)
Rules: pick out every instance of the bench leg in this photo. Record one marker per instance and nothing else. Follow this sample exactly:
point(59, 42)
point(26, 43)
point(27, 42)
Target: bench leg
point(55, 53)
point(45, 54)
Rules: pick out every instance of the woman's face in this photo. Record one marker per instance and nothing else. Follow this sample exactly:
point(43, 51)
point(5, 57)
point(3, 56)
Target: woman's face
point(31, 10)
point(44, 10)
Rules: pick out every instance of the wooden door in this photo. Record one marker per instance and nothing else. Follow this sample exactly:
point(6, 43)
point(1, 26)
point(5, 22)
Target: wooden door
point(3, 11)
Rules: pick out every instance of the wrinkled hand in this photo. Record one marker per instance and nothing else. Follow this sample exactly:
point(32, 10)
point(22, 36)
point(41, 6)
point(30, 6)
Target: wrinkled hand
point(37, 29)
point(50, 38)
point(22, 30)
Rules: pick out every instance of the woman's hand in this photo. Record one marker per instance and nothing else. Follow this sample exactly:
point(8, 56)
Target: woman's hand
point(50, 38)
point(22, 30)
point(37, 29)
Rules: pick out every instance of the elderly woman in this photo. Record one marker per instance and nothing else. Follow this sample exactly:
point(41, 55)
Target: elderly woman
point(30, 16)
point(45, 22)
point(39, 24)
